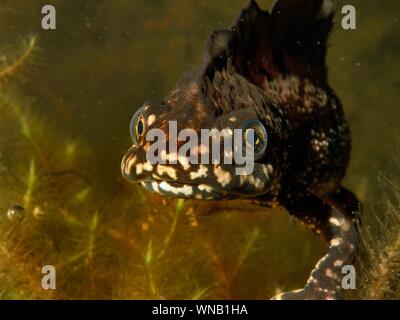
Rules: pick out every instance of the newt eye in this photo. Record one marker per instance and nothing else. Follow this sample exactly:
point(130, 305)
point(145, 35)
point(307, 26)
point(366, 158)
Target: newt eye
point(259, 138)
point(137, 127)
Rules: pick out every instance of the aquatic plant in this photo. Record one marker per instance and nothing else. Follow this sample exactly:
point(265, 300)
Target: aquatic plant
point(128, 245)
point(131, 244)
point(14, 63)
point(379, 258)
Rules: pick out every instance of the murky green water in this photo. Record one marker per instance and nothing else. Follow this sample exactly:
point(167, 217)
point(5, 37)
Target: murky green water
point(64, 119)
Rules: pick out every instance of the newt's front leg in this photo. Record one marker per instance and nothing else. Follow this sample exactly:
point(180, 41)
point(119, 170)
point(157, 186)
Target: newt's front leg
point(335, 220)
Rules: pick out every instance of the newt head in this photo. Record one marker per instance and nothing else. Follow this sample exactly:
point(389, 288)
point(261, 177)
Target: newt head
point(193, 145)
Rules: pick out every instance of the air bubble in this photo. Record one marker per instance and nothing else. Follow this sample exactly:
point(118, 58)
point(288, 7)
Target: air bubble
point(16, 213)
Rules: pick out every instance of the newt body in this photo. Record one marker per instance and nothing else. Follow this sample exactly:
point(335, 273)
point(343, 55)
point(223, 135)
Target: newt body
point(267, 71)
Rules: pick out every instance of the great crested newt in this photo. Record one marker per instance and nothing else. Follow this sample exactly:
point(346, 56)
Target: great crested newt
point(266, 73)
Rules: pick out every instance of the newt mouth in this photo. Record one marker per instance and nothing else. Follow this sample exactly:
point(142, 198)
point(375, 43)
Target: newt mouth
point(182, 190)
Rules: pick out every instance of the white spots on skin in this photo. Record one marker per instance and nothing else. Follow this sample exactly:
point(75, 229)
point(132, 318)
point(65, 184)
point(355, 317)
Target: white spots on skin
point(321, 144)
point(282, 296)
point(257, 183)
point(330, 295)
point(146, 147)
point(335, 242)
point(205, 187)
point(243, 180)
point(200, 150)
point(163, 155)
point(343, 224)
point(292, 89)
point(334, 221)
point(228, 156)
point(151, 119)
point(184, 190)
point(312, 280)
point(172, 157)
point(223, 177)
point(139, 169)
point(330, 274)
point(165, 187)
point(147, 166)
point(155, 186)
point(184, 161)
point(169, 171)
point(202, 172)
point(226, 133)
point(267, 170)
point(338, 263)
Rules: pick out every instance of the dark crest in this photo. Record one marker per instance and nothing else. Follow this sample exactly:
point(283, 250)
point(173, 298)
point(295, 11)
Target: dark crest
point(291, 38)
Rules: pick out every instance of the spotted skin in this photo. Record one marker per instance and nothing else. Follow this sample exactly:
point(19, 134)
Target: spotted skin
point(268, 66)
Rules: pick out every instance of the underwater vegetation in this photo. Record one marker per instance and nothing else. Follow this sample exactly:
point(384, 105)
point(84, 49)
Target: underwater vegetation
point(134, 245)
point(379, 258)
point(63, 130)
